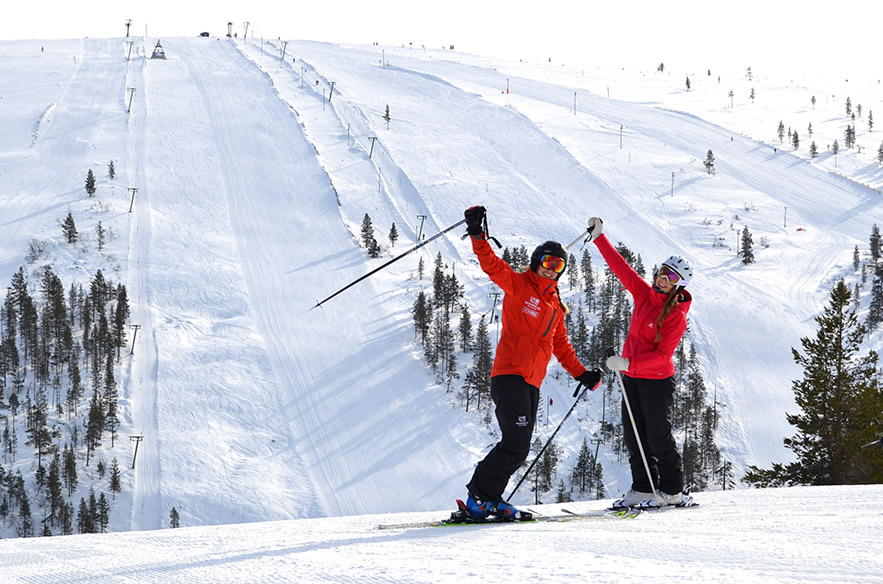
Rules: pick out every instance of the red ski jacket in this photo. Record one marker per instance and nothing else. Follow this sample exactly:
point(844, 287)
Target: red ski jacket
point(647, 359)
point(533, 321)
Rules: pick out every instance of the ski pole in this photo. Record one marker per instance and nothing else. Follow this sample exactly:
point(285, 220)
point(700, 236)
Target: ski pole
point(588, 232)
point(874, 443)
point(549, 441)
point(395, 259)
point(625, 398)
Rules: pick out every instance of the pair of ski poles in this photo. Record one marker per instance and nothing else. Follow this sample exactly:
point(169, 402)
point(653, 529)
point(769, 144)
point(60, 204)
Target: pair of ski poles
point(579, 395)
point(588, 231)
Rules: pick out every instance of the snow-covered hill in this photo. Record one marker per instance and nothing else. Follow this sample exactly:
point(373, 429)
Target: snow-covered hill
point(253, 175)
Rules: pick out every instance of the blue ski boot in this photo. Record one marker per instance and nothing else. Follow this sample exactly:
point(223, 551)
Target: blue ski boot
point(478, 510)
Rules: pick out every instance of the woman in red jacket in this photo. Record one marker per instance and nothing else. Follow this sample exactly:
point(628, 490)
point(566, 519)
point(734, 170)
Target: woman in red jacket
point(533, 330)
point(658, 322)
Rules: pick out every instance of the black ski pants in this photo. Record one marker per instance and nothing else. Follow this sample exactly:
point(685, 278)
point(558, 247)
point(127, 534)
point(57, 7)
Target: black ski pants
point(516, 409)
point(651, 401)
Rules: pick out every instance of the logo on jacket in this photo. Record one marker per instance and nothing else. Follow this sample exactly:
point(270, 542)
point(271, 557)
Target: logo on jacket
point(532, 307)
point(521, 421)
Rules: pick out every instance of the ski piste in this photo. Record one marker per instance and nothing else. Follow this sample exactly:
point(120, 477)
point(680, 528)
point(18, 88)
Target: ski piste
point(565, 516)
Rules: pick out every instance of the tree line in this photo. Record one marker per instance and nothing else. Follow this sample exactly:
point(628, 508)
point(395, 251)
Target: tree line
point(58, 398)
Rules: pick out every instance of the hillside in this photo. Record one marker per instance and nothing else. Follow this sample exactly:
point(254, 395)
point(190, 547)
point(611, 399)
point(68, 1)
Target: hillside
point(252, 180)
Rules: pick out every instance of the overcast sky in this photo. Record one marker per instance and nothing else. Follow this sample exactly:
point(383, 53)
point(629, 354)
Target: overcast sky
point(684, 34)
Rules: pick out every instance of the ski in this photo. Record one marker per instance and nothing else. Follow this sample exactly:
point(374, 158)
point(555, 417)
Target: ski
point(457, 520)
point(689, 505)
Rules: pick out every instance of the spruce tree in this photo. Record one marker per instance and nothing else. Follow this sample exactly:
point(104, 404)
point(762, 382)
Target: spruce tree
point(115, 482)
point(367, 231)
point(465, 328)
point(111, 172)
point(422, 314)
point(840, 403)
point(709, 161)
point(393, 235)
point(876, 243)
point(90, 183)
point(875, 309)
point(69, 228)
point(747, 251)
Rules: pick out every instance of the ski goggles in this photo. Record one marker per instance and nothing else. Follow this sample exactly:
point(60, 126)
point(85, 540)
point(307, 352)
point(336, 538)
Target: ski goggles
point(670, 275)
point(553, 262)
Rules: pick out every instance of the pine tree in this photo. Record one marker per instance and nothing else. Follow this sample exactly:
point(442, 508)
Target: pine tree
point(876, 243)
point(422, 314)
point(870, 121)
point(465, 328)
point(781, 131)
point(386, 117)
point(477, 385)
point(103, 513)
point(840, 401)
point(393, 235)
point(581, 475)
point(69, 228)
point(100, 233)
point(849, 137)
point(709, 161)
point(111, 172)
point(174, 518)
point(875, 309)
point(848, 107)
point(747, 251)
point(367, 231)
point(795, 140)
point(90, 183)
point(813, 150)
point(115, 482)
point(588, 279)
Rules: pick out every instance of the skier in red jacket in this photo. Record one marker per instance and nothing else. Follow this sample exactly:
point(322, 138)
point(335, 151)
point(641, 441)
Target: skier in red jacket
point(658, 322)
point(533, 330)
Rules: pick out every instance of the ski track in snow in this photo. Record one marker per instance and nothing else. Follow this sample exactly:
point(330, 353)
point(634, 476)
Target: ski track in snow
point(799, 535)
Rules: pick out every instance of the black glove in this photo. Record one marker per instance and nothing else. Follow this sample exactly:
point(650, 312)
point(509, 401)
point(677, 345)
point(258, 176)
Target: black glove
point(591, 379)
point(475, 220)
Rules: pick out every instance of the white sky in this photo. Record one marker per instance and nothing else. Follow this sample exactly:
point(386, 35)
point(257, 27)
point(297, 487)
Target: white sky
point(692, 35)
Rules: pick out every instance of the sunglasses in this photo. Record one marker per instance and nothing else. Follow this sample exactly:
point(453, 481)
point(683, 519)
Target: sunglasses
point(670, 275)
point(554, 263)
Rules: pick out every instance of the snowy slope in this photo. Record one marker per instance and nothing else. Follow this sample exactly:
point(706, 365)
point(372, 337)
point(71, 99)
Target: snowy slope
point(782, 536)
point(251, 187)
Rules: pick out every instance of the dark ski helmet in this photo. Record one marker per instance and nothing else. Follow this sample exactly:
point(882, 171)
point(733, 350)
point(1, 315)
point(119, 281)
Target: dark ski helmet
point(548, 248)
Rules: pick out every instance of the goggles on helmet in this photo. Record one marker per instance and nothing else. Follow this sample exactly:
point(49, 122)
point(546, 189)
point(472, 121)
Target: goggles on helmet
point(670, 275)
point(553, 262)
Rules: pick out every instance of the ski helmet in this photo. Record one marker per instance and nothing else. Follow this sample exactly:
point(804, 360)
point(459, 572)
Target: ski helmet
point(681, 267)
point(548, 248)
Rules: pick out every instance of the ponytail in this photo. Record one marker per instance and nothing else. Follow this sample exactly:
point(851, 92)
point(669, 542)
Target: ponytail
point(670, 304)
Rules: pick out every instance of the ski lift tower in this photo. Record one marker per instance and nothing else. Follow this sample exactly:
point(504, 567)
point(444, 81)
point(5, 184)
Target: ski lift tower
point(158, 52)
point(229, 30)
point(128, 24)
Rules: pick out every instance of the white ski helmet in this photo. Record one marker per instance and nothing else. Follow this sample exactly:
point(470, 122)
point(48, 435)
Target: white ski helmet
point(681, 267)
